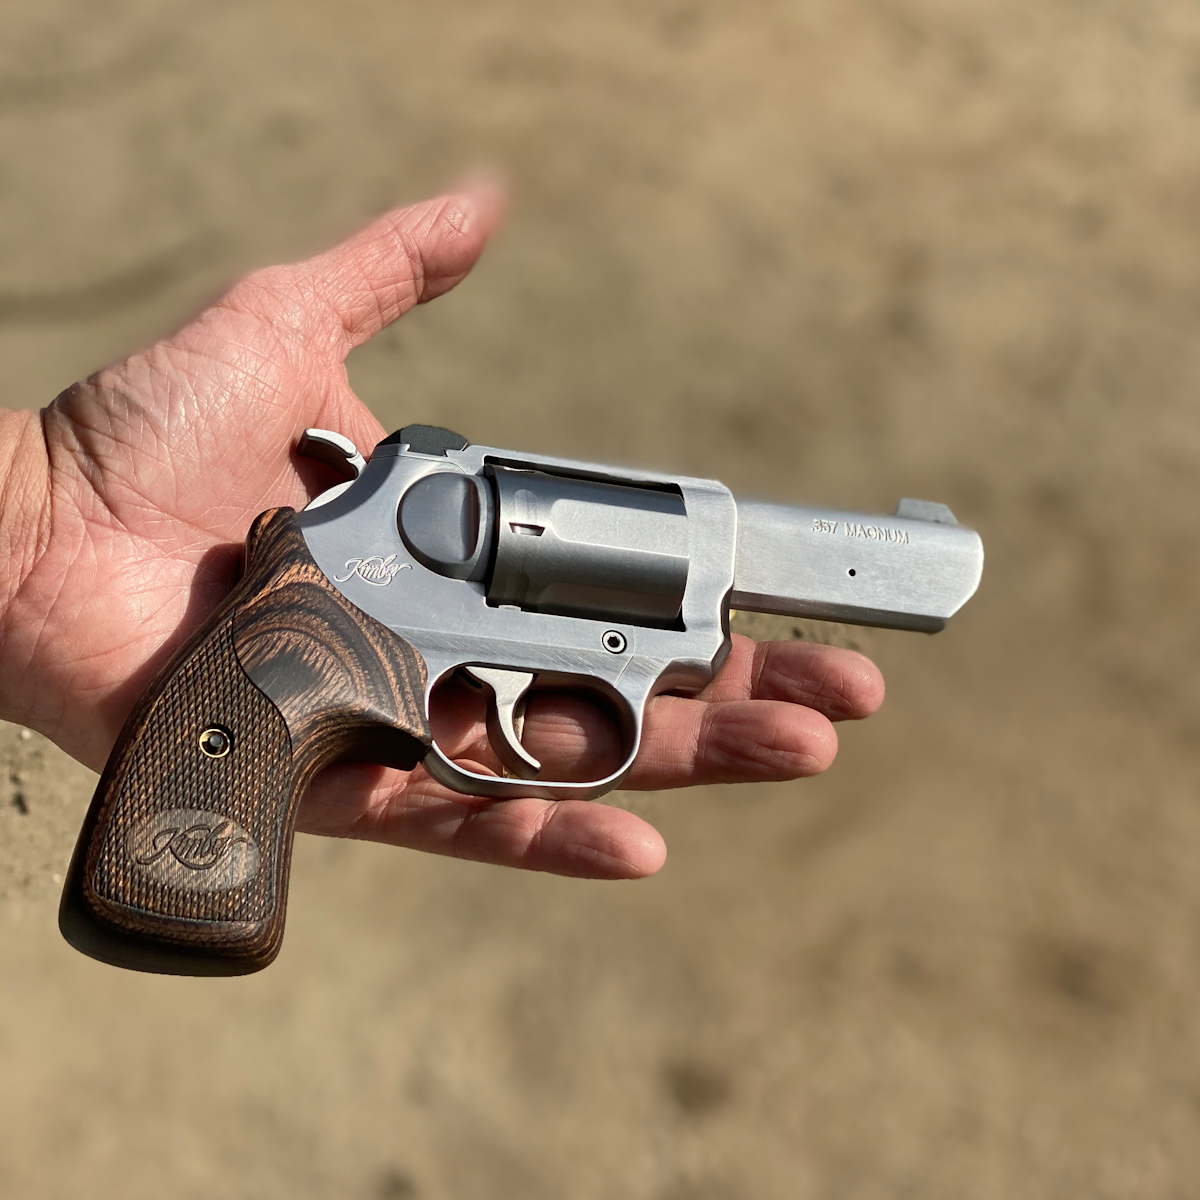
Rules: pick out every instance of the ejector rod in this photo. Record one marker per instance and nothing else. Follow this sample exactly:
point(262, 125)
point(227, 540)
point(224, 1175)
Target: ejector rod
point(912, 570)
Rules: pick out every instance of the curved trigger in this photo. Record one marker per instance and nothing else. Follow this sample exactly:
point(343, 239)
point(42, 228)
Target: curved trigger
point(508, 690)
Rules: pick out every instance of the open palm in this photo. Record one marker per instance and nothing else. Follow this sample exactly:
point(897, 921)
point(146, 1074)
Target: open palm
point(127, 499)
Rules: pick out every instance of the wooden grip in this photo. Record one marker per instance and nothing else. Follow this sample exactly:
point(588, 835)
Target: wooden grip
point(182, 864)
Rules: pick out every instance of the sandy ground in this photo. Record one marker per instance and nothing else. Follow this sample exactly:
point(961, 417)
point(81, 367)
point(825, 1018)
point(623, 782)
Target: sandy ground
point(834, 250)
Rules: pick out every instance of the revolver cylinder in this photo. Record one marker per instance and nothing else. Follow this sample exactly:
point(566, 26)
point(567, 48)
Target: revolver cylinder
point(552, 543)
point(585, 549)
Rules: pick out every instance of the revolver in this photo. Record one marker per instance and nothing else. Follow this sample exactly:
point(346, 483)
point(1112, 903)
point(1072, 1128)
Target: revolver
point(435, 557)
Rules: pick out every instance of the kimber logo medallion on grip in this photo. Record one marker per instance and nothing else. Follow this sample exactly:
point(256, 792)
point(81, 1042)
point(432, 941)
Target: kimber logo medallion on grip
point(194, 850)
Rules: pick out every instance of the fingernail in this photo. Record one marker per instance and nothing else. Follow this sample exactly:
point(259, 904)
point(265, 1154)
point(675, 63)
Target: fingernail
point(483, 196)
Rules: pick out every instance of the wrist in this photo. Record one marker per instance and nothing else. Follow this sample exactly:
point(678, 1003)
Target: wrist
point(24, 534)
point(24, 506)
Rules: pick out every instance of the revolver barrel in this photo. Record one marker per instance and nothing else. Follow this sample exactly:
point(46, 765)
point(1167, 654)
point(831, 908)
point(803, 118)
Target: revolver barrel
point(912, 570)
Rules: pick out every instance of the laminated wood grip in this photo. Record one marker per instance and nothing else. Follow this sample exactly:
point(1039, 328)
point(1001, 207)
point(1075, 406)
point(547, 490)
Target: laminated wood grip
point(182, 864)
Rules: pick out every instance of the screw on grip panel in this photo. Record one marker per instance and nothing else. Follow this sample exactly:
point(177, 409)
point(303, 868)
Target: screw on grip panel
point(216, 742)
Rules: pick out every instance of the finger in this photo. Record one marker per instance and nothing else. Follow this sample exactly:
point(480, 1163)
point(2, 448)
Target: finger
point(689, 742)
point(406, 257)
point(841, 684)
point(569, 837)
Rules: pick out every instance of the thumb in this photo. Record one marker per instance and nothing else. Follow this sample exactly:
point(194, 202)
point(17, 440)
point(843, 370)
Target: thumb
point(406, 257)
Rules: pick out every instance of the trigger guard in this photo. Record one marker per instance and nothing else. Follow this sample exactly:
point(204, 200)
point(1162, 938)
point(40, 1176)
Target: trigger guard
point(502, 787)
point(498, 787)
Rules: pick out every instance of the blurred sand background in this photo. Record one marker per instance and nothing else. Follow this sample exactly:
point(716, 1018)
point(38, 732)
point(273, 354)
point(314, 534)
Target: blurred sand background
point(826, 250)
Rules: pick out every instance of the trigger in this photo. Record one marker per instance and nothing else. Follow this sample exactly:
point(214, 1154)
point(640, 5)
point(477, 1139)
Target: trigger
point(508, 689)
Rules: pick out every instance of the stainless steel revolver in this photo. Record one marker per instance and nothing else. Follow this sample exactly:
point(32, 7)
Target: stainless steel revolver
point(523, 570)
point(436, 557)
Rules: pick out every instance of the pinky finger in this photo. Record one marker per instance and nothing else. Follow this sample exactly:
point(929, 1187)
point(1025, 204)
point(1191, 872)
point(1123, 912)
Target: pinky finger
point(585, 840)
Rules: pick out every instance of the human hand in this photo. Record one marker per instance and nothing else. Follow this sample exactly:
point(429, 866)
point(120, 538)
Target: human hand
point(126, 503)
